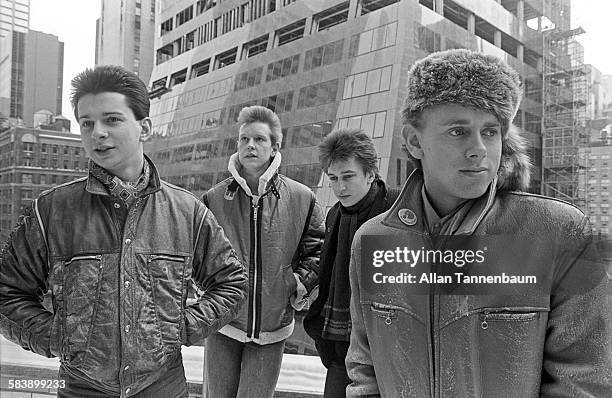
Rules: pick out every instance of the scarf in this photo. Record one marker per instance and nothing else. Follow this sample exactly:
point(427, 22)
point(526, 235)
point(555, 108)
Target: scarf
point(337, 319)
point(127, 191)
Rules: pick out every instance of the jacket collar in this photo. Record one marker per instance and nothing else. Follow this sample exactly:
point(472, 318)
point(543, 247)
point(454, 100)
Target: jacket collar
point(407, 211)
point(95, 187)
point(266, 180)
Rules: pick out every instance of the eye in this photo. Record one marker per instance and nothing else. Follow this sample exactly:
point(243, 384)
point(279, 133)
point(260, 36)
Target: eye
point(455, 132)
point(86, 124)
point(244, 139)
point(490, 132)
point(112, 119)
point(259, 139)
point(333, 178)
point(348, 177)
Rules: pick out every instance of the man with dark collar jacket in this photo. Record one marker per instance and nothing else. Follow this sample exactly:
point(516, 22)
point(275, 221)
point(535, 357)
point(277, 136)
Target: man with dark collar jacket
point(419, 330)
point(117, 249)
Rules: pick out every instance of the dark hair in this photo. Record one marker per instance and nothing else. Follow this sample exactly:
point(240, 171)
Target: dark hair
point(111, 78)
point(258, 113)
point(346, 143)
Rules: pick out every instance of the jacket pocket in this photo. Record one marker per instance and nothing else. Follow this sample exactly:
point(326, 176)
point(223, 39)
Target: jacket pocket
point(511, 343)
point(81, 291)
point(169, 292)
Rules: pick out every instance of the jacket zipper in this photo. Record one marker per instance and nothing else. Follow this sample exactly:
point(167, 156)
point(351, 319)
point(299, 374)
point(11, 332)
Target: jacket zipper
point(254, 253)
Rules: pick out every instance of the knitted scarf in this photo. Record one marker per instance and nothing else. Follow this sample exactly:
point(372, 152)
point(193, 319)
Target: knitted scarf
point(337, 319)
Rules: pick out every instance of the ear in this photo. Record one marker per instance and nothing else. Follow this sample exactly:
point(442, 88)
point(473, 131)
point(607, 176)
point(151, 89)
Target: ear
point(370, 177)
point(412, 140)
point(275, 148)
point(147, 129)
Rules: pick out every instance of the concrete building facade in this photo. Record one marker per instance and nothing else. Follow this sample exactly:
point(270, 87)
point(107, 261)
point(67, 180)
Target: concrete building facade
point(31, 161)
point(125, 35)
point(320, 65)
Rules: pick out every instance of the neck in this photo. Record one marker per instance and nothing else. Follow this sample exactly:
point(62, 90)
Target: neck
point(252, 179)
point(132, 173)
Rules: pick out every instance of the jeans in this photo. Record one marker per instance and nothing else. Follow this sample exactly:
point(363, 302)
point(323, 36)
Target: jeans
point(241, 370)
point(172, 385)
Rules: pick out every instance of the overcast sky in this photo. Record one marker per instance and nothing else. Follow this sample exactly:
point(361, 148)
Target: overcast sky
point(74, 22)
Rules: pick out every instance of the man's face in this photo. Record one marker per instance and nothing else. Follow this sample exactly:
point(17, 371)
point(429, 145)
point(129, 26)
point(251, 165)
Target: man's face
point(111, 134)
point(460, 151)
point(349, 181)
point(255, 147)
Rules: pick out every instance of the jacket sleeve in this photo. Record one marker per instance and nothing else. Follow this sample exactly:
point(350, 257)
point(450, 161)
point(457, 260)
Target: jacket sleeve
point(23, 281)
point(306, 260)
point(220, 278)
point(359, 364)
point(578, 347)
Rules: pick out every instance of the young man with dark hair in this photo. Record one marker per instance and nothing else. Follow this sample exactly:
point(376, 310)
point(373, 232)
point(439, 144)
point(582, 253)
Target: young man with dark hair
point(426, 331)
point(117, 249)
point(350, 161)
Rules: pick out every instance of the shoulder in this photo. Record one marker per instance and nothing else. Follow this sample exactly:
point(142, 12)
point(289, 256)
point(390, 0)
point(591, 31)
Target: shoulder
point(64, 192)
point(542, 206)
point(294, 187)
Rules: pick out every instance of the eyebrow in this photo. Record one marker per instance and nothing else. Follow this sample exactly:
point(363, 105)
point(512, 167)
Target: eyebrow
point(344, 172)
point(464, 122)
point(103, 114)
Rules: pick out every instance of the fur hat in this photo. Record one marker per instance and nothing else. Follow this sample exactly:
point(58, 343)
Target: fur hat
point(477, 81)
point(465, 78)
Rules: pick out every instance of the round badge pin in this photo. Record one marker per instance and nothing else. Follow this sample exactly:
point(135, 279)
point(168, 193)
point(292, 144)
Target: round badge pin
point(407, 216)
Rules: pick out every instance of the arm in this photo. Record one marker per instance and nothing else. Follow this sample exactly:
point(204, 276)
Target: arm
point(220, 277)
point(306, 260)
point(578, 347)
point(359, 365)
point(23, 281)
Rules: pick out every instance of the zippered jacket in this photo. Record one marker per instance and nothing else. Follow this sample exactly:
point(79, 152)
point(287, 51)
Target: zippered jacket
point(119, 279)
point(440, 339)
point(278, 232)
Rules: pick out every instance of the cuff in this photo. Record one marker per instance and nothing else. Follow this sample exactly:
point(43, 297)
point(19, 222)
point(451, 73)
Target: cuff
point(300, 298)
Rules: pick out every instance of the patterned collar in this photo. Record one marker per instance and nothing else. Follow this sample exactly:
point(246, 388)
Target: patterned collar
point(127, 191)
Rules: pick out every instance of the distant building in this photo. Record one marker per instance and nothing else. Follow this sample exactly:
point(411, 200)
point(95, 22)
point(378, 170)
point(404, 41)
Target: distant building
point(320, 65)
point(14, 24)
point(31, 161)
point(124, 35)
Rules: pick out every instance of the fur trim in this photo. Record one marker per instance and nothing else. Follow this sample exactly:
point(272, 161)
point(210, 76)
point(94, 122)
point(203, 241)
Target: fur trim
point(514, 166)
point(465, 78)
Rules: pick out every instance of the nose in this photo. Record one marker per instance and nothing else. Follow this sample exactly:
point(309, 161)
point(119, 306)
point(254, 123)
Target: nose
point(476, 148)
point(98, 131)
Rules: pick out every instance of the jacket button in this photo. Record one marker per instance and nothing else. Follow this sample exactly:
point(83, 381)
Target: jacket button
point(127, 284)
point(128, 241)
point(127, 328)
point(126, 368)
point(117, 205)
point(127, 390)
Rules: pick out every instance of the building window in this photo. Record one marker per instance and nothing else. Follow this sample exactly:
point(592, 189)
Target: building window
point(426, 39)
point(368, 6)
point(248, 79)
point(26, 178)
point(256, 46)
point(369, 82)
point(282, 68)
point(184, 16)
point(226, 58)
point(307, 135)
point(279, 103)
point(373, 39)
point(178, 77)
point(203, 5)
point(324, 55)
point(332, 16)
point(291, 32)
point(190, 40)
point(200, 68)
point(318, 94)
point(371, 123)
point(166, 27)
point(165, 53)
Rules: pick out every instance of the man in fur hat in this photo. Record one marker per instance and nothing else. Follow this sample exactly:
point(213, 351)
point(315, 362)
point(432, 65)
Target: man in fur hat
point(417, 328)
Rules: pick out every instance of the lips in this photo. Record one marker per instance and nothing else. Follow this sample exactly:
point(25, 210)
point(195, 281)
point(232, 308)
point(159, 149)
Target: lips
point(102, 149)
point(475, 170)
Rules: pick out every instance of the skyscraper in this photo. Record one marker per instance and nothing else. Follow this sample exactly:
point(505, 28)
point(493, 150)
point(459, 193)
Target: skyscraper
point(124, 35)
point(31, 66)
